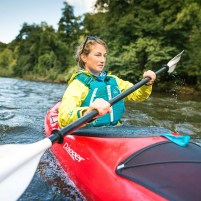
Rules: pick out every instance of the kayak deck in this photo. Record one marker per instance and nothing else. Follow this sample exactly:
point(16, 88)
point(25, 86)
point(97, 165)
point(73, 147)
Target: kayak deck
point(167, 169)
point(128, 163)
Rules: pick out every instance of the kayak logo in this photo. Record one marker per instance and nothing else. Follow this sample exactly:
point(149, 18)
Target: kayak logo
point(72, 153)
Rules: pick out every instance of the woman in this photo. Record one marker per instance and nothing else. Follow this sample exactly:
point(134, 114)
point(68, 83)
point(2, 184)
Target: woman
point(91, 88)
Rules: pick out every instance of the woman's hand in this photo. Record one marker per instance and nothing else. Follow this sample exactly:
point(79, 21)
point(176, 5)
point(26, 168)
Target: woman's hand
point(102, 106)
point(151, 75)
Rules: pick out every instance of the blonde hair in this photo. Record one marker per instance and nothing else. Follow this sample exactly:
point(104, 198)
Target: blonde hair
point(85, 48)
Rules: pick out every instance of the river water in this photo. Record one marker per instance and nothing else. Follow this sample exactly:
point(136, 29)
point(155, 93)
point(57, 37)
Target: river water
point(23, 106)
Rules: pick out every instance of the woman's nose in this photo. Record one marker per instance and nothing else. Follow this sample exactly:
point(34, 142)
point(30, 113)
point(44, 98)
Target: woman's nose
point(103, 59)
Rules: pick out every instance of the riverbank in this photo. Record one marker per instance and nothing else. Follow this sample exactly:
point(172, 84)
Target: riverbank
point(164, 87)
point(181, 90)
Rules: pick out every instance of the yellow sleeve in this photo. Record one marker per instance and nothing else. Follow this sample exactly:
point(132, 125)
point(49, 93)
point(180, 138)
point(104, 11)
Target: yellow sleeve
point(140, 94)
point(70, 109)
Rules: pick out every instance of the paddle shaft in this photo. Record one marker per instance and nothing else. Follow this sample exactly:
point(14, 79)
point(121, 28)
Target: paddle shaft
point(57, 135)
point(135, 87)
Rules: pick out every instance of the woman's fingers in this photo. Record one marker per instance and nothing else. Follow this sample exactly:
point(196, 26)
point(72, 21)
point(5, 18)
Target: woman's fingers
point(102, 106)
point(151, 75)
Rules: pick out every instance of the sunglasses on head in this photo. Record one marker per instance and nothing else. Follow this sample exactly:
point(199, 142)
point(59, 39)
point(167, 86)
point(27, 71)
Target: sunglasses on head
point(85, 42)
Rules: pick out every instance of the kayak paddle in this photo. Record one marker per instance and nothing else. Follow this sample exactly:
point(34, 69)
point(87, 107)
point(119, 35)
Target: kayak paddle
point(19, 161)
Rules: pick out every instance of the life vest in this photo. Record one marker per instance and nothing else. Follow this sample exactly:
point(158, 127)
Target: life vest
point(106, 90)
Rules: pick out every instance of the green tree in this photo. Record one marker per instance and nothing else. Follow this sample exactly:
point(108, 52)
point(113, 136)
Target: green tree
point(69, 26)
point(189, 21)
point(41, 42)
point(2, 46)
point(146, 33)
point(7, 61)
point(95, 24)
point(140, 35)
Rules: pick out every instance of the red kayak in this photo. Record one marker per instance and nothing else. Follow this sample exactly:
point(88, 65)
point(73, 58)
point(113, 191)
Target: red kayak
point(128, 163)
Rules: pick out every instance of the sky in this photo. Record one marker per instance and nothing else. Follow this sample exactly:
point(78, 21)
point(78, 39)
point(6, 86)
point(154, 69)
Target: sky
point(14, 13)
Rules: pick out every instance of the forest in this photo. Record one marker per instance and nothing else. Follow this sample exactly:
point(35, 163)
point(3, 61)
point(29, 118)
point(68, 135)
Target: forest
point(140, 35)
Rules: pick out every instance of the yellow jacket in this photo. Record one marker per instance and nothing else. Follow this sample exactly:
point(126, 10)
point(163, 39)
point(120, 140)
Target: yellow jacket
point(76, 92)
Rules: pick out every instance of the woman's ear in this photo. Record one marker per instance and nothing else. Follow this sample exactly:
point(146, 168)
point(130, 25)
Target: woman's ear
point(83, 57)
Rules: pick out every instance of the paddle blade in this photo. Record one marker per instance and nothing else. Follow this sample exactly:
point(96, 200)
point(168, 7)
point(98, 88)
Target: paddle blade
point(18, 165)
point(173, 62)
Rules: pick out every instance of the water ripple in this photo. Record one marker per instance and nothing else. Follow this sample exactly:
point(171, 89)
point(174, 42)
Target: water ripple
point(6, 115)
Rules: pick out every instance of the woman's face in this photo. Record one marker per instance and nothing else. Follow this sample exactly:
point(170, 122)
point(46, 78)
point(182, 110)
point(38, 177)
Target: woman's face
point(95, 60)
